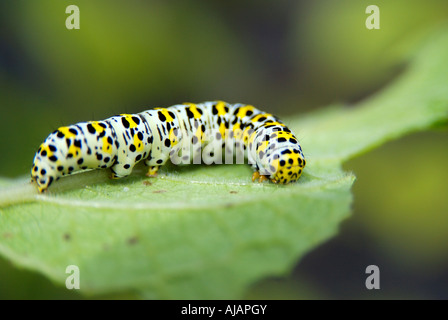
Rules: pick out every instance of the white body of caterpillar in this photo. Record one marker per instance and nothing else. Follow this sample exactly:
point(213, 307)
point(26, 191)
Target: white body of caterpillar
point(180, 131)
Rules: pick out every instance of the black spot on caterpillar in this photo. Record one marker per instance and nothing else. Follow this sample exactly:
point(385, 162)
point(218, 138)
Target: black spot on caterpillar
point(156, 135)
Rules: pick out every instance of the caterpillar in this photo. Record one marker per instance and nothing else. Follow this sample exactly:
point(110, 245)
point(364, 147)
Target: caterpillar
point(180, 133)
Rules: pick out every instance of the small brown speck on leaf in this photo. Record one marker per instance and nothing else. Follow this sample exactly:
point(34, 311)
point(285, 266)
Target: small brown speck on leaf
point(133, 240)
point(67, 237)
point(233, 192)
point(147, 183)
point(159, 191)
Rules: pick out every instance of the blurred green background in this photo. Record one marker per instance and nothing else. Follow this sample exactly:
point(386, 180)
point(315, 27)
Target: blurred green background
point(285, 57)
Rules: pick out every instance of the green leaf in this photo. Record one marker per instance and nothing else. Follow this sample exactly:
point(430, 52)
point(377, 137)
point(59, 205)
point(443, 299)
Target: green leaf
point(195, 233)
point(207, 231)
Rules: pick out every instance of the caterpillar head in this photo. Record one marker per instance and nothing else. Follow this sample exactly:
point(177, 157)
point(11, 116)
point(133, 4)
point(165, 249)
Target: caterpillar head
point(286, 165)
point(42, 172)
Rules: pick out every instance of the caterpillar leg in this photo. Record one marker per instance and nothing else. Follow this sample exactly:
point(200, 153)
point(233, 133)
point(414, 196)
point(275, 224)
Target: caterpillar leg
point(154, 163)
point(255, 176)
point(152, 171)
point(259, 177)
point(121, 170)
point(113, 175)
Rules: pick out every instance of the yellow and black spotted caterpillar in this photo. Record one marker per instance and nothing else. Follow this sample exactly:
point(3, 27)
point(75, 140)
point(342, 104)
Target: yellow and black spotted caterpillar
point(178, 133)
